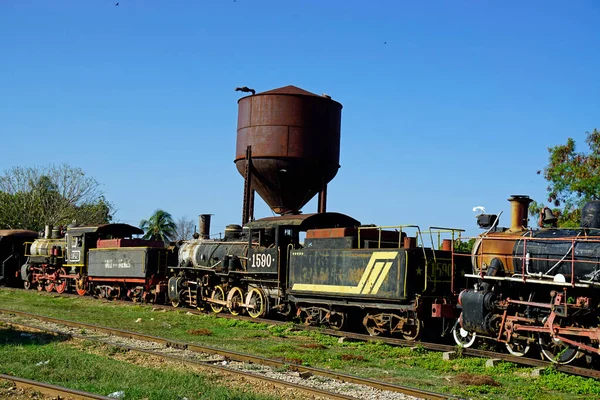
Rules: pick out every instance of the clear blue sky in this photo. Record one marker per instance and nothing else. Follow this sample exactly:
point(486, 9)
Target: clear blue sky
point(456, 110)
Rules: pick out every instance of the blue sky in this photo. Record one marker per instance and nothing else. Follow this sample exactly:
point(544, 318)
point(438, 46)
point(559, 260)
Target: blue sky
point(447, 104)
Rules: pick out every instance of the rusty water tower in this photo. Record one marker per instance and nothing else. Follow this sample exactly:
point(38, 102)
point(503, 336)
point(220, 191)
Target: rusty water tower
point(288, 148)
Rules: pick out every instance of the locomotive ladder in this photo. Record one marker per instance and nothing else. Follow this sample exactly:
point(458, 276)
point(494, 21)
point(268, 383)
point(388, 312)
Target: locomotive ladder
point(248, 205)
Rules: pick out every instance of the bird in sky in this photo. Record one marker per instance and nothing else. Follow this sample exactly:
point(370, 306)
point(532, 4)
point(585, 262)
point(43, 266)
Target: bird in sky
point(116, 4)
point(245, 89)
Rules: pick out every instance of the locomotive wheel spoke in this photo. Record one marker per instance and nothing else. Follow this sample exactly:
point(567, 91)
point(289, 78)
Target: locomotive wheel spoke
point(556, 350)
point(412, 332)
point(217, 294)
point(288, 311)
point(371, 326)
point(61, 283)
point(49, 286)
point(234, 301)
point(256, 299)
point(518, 347)
point(463, 338)
point(336, 320)
point(80, 286)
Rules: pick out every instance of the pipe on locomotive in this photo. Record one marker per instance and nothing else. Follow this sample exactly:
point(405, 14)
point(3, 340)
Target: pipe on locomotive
point(204, 224)
point(519, 212)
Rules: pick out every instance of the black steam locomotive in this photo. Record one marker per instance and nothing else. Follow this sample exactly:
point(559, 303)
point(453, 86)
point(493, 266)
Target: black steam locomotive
point(535, 288)
point(342, 271)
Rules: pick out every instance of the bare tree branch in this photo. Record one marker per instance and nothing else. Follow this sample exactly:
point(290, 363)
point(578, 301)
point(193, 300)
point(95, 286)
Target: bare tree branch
point(185, 228)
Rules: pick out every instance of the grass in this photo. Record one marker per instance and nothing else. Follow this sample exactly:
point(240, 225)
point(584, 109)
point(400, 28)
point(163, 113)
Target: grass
point(93, 368)
point(465, 377)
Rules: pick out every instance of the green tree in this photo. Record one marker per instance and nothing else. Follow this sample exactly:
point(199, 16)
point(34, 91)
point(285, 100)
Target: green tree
point(31, 197)
point(573, 177)
point(159, 226)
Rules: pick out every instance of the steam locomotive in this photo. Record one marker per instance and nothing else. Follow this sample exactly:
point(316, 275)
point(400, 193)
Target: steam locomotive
point(534, 287)
point(342, 271)
point(104, 260)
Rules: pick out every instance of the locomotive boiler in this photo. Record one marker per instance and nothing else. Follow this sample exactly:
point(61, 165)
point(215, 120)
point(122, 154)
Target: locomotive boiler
point(535, 287)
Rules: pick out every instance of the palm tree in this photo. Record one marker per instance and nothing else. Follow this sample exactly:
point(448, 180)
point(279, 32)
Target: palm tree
point(160, 226)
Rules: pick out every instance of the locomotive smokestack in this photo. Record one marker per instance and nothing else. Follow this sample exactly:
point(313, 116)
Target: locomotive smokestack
point(47, 231)
point(204, 223)
point(519, 210)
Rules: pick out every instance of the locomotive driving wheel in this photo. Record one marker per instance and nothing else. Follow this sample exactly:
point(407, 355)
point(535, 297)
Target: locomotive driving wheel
point(462, 337)
point(80, 285)
point(235, 299)
point(61, 283)
point(49, 286)
point(257, 300)
point(217, 294)
point(555, 350)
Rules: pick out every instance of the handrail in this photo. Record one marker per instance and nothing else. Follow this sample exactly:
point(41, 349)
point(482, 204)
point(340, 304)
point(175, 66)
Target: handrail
point(526, 259)
point(380, 228)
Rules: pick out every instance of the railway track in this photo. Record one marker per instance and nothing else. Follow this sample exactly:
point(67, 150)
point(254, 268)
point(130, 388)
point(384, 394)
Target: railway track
point(230, 356)
point(52, 390)
point(526, 361)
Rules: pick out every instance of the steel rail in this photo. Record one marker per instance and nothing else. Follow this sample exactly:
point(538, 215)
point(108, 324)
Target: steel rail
point(52, 390)
point(531, 362)
point(237, 356)
point(198, 363)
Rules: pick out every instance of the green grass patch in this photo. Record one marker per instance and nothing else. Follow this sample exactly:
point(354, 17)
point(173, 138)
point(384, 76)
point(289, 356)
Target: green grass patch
point(54, 360)
point(406, 366)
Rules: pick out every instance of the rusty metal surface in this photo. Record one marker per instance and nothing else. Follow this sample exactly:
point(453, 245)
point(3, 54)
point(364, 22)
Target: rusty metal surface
point(294, 136)
point(519, 212)
point(52, 390)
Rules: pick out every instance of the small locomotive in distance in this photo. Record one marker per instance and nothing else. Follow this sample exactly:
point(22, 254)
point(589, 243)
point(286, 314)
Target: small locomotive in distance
point(103, 259)
point(535, 288)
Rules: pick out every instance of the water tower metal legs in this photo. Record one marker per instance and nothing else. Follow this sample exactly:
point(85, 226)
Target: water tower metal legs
point(248, 207)
point(323, 200)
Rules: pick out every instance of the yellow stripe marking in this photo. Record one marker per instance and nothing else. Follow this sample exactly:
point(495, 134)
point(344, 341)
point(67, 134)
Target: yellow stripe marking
point(382, 277)
point(371, 280)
